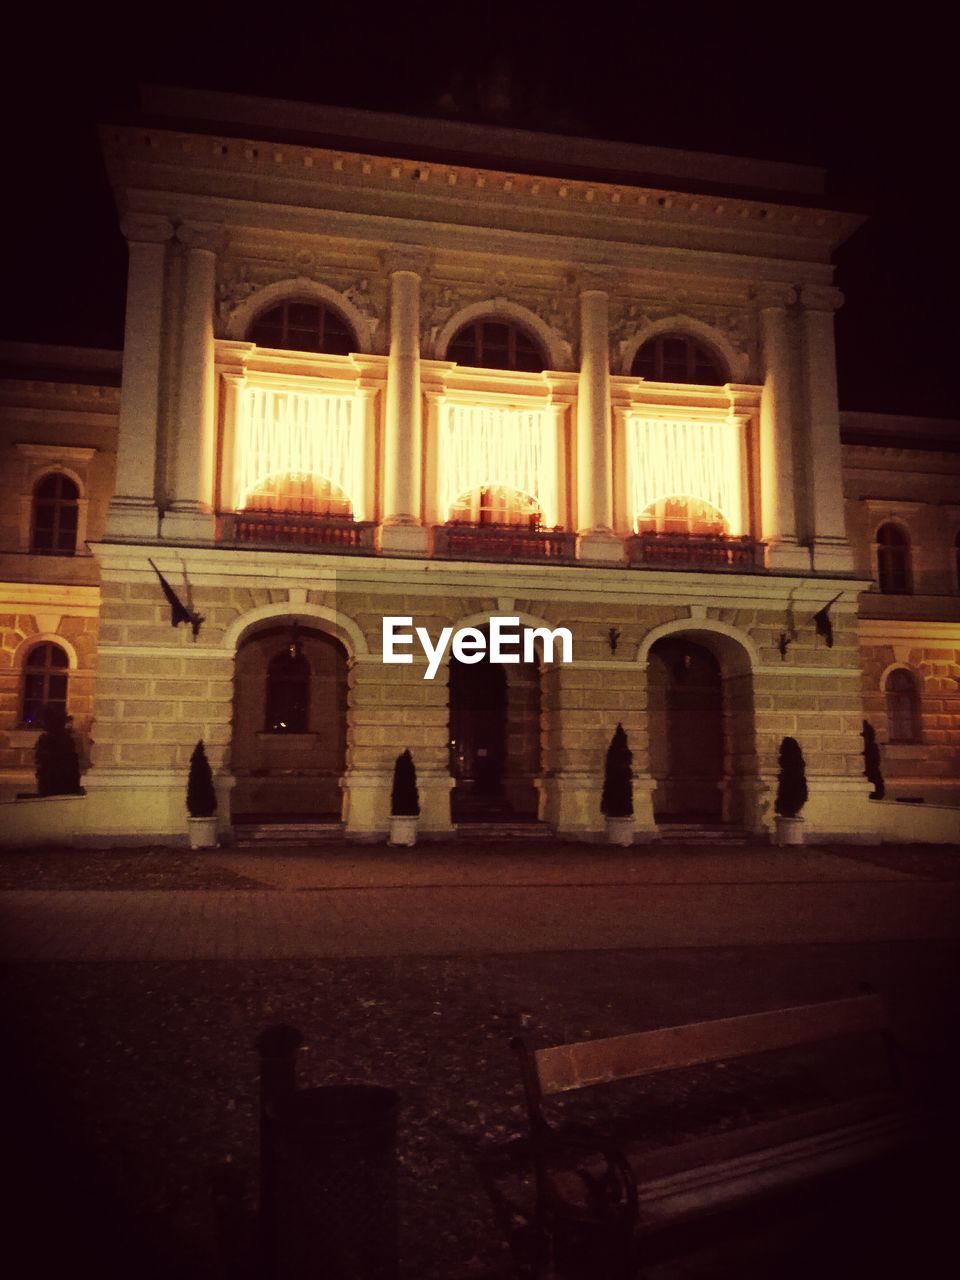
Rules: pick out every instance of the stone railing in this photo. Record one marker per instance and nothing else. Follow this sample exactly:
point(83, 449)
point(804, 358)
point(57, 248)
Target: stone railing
point(502, 542)
point(707, 553)
point(277, 528)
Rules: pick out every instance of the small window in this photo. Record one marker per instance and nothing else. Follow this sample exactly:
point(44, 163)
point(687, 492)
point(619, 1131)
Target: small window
point(498, 506)
point(495, 344)
point(56, 513)
point(303, 326)
point(45, 676)
point(675, 357)
point(956, 559)
point(288, 691)
point(903, 707)
point(893, 560)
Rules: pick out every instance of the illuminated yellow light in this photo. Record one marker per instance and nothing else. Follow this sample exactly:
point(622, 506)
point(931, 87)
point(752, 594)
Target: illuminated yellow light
point(485, 446)
point(672, 458)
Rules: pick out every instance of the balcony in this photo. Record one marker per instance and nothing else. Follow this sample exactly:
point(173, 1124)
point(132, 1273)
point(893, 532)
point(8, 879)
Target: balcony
point(709, 553)
point(279, 529)
point(457, 541)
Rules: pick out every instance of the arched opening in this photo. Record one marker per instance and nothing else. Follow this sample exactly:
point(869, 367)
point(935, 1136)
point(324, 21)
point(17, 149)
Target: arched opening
point(45, 683)
point(297, 324)
point(700, 712)
point(496, 505)
point(297, 494)
point(893, 560)
point(677, 357)
point(288, 751)
point(680, 515)
point(494, 740)
point(496, 344)
point(903, 706)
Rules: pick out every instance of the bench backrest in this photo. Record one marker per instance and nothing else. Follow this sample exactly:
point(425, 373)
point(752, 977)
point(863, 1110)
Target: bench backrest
point(574, 1066)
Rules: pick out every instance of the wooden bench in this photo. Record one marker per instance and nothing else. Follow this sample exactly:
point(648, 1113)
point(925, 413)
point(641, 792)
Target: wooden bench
point(596, 1202)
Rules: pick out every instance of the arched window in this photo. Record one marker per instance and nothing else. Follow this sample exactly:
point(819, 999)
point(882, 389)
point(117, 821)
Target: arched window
point(300, 494)
point(676, 357)
point(296, 325)
point(682, 515)
point(45, 675)
point(288, 691)
point(903, 707)
point(56, 512)
point(496, 505)
point(956, 559)
point(496, 344)
point(893, 560)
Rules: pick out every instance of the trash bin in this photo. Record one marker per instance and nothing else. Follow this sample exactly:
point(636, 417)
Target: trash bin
point(332, 1153)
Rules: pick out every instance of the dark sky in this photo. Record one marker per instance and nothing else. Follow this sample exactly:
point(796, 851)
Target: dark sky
point(871, 102)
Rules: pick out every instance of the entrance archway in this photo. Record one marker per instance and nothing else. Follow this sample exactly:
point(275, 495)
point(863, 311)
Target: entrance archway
point(288, 752)
point(701, 722)
point(494, 741)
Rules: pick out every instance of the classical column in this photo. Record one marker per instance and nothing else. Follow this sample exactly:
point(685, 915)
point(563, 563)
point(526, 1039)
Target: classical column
point(818, 373)
point(778, 433)
point(133, 508)
point(402, 531)
point(190, 487)
point(596, 540)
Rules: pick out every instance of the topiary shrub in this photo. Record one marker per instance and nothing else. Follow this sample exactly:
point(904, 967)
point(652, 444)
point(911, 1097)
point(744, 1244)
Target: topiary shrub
point(55, 756)
point(617, 798)
point(791, 780)
point(404, 798)
point(871, 761)
point(201, 796)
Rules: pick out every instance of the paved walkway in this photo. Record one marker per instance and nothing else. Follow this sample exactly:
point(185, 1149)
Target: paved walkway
point(388, 904)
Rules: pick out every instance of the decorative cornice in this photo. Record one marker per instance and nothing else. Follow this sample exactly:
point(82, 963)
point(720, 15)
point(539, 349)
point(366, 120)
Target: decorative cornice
point(146, 228)
point(208, 236)
point(774, 295)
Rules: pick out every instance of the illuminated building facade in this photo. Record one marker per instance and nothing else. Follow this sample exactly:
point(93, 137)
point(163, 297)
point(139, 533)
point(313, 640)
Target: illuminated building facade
point(446, 372)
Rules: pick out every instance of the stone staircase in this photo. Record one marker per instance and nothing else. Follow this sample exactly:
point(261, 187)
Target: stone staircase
point(715, 835)
point(251, 835)
point(502, 830)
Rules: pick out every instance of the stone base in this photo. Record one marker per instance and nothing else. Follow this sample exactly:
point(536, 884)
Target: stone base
point(367, 803)
point(787, 555)
point(188, 525)
point(832, 555)
point(132, 520)
point(600, 548)
point(404, 539)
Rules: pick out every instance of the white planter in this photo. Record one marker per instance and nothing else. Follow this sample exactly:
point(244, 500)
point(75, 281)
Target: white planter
point(203, 832)
point(787, 831)
point(620, 830)
point(403, 830)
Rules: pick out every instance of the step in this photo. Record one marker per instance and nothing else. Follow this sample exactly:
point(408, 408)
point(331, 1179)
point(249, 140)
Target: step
point(249, 834)
point(502, 831)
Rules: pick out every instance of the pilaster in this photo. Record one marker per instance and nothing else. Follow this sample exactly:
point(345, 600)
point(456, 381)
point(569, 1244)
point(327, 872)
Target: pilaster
point(778, 433)
point(596, 539)
point(189, 516)
point(133, 510)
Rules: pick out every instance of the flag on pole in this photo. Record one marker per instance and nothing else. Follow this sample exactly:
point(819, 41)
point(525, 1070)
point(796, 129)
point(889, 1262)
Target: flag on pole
point(178, 610)
point(821, 620)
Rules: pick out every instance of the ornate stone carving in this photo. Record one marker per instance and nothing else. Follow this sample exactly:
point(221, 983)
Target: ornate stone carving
point(208, 236)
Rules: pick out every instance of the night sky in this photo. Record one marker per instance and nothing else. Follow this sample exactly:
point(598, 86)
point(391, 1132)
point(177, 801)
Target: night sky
point(873, 103)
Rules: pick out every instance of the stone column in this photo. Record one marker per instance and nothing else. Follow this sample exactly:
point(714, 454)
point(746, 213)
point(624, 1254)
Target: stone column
point(818, 373)
point(189, 516)
point(133, 508)
point(402, 532)
point(596, 540)
point(778, 433)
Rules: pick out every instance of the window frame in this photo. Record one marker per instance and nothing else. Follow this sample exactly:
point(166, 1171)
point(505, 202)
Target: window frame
point(902, 706)
point(44, 671)
point(696, 352)
point(323, 310)
point(893, 579)
point(57, 504)
point(514, 330)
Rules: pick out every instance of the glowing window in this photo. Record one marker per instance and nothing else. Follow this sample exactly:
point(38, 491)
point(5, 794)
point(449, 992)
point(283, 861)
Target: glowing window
point(675, 357)
point(45, 676)
point(495, 344)
point(303, 326)
point(893, 560)
point(300, 494)
point(288, 691)
point(56, 511)
point(496, 505)
point(681, 515)
point(903, 707)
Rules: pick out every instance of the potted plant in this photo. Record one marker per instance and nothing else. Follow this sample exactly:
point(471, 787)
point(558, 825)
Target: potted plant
point(404, 801)
point(201, 801)
point(617, 800)
point(791, 793)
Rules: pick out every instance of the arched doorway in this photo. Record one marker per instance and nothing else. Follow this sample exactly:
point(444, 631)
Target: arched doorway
point(687, 736)
point(494, 741)
point(288, 752)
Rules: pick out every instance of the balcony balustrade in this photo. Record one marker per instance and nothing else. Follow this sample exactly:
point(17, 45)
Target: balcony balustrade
point(278, 528)
point(704, 552)
point(458, 541)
